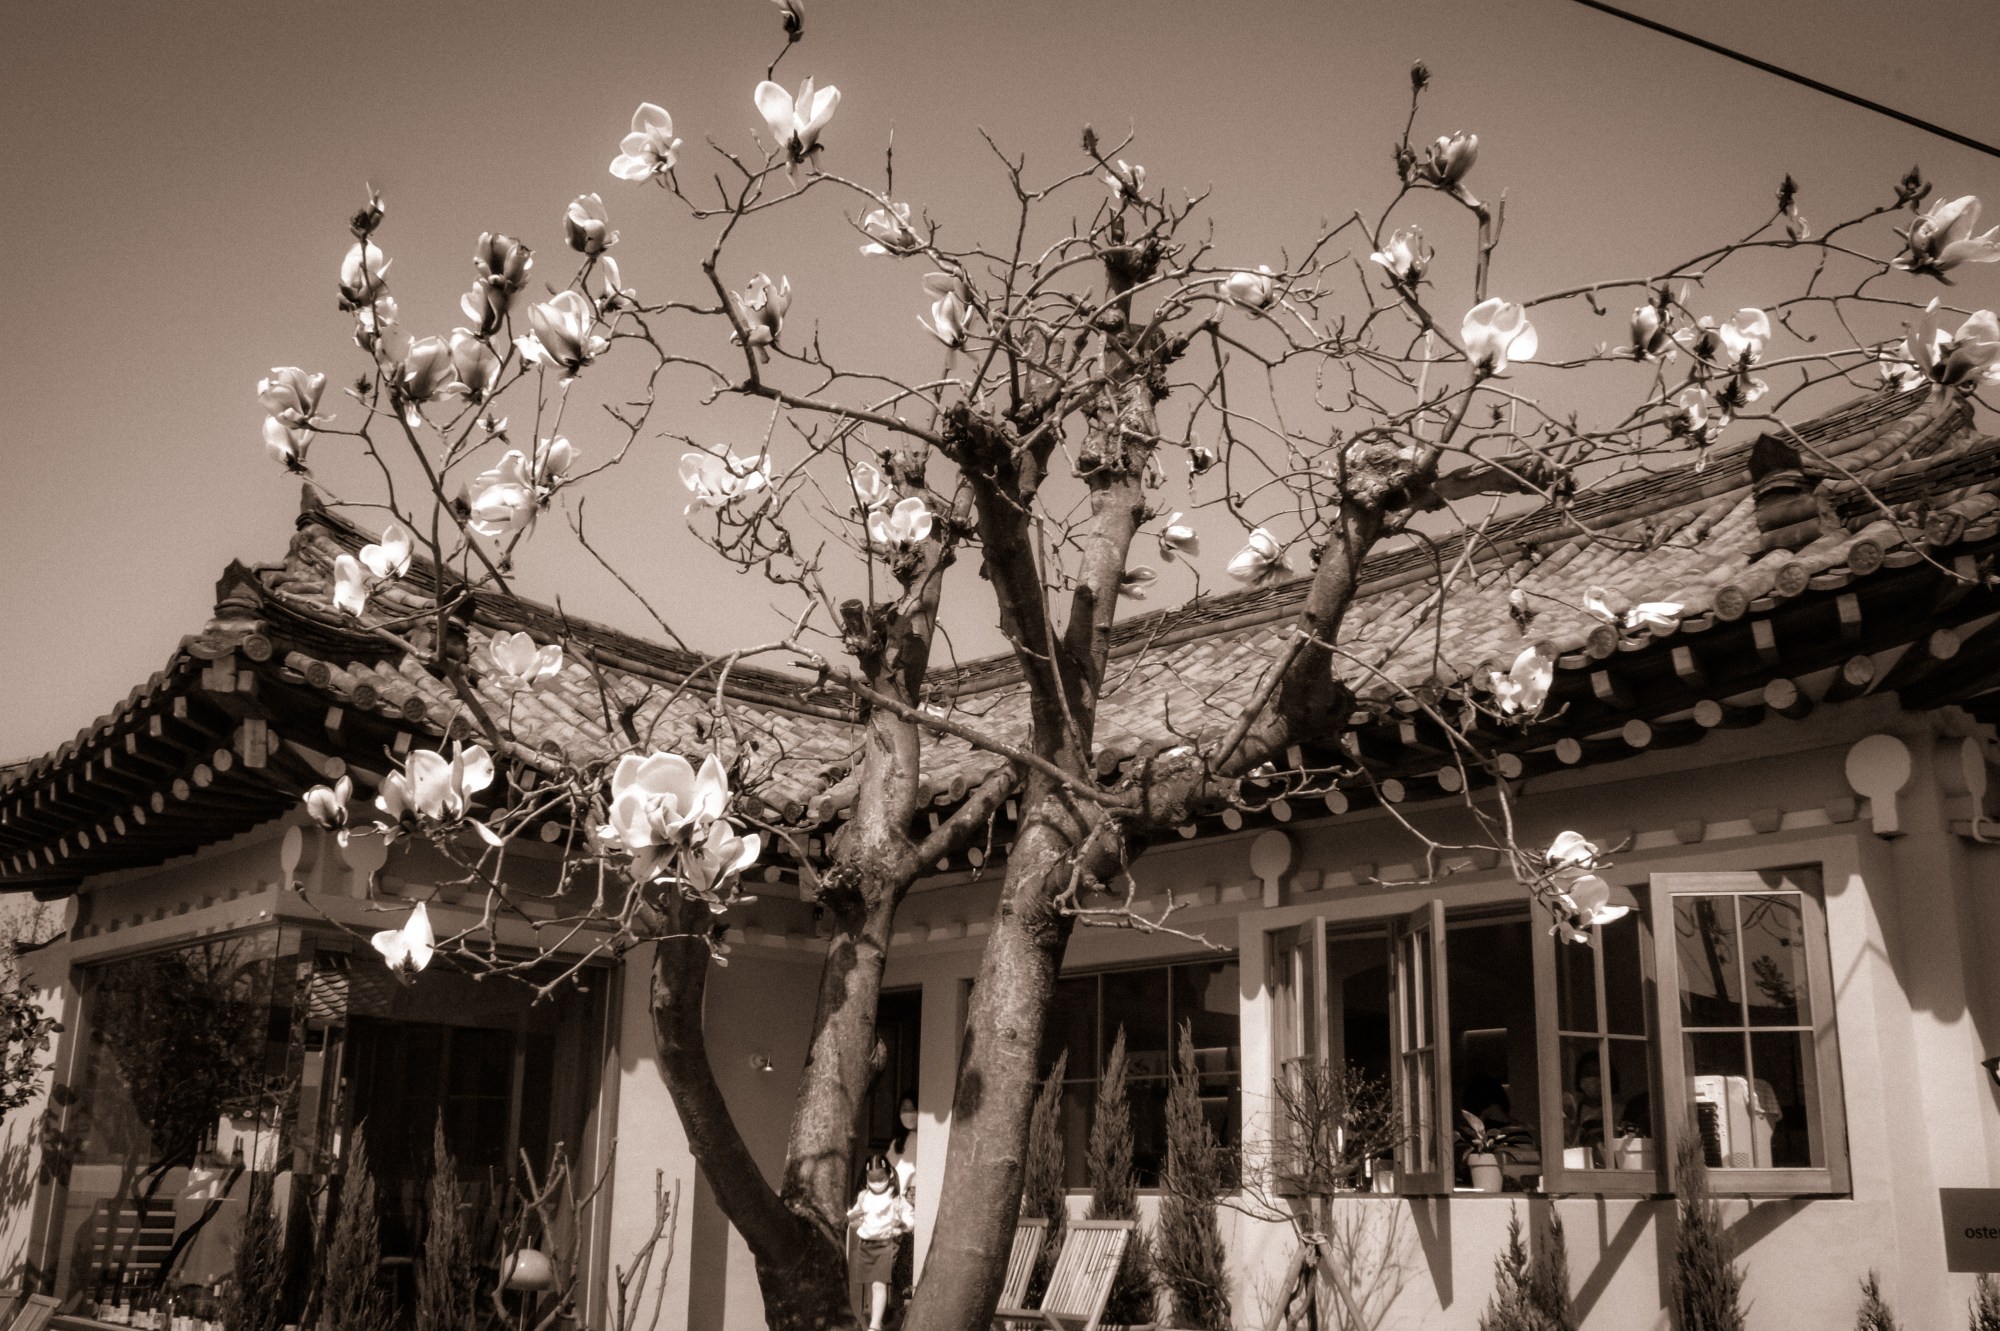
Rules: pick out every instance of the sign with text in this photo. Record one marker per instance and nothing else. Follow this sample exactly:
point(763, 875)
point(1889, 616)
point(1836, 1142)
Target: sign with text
point(1971, 1228)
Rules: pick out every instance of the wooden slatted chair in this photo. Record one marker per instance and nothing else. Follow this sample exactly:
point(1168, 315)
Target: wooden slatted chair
point(1029, 1234)
point(1081, 1281)
point(36, 1310)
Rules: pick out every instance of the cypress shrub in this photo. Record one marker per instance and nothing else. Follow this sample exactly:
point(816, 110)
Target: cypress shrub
point(1189, 1253)
point(353, 1298)
point(1548, 1278)
point(1512, 1304)
point(445, 1267)
point(1706, 1291)
point(1985, 1307)
point(256, 1295)
point(1042, 1187)
point(1874, 1314)
point(1114, 1192)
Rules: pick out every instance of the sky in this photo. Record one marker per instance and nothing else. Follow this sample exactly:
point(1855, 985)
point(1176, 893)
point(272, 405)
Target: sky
point(178, 179)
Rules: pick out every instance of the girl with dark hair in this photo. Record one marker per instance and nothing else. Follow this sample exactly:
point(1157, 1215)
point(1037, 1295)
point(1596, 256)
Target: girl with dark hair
point(880, 1216)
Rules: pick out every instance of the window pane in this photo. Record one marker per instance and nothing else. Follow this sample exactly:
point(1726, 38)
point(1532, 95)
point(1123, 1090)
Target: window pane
point(1357, 983)
point(1732, 1135)
point(1583, 1101)
point(1490, 993)
point(1149, 1128)
point(1624, 977)
point(1078, 1102)
point(1576, 987)
point(1206, 996)
point(1073, 1027)
point(1782, 1063)
point(1705, 938)
point(1137, 1001)
point(1630, 1087)
point(1774, 960)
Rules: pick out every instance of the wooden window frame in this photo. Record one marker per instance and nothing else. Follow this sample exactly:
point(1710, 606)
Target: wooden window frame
point(1557, 1177)
point(1832, 1176)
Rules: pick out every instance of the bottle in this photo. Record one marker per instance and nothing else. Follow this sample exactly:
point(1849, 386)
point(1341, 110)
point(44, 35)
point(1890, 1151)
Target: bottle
point(121, 1313)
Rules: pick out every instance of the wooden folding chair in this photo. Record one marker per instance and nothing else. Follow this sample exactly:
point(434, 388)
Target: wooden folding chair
point(1081, 1281)
point(36, 1310)
point(1029, 1234)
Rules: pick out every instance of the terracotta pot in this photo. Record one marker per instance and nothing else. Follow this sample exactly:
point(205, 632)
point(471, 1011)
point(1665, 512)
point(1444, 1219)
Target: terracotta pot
point(1485, 1168)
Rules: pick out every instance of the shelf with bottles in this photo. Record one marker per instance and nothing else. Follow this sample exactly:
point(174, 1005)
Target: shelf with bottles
point(133, 1297)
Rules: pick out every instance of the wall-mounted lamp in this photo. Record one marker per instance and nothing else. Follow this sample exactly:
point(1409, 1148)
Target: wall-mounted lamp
point(1992, 1066)
point(760, 1062)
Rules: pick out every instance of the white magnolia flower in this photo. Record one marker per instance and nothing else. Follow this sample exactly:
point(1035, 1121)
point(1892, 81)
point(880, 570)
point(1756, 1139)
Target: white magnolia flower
point(390, 557)
point(1496, 332)
point(1178, 540)
point(327, 806)
point(901, 527)
point(1587, 903)
point(1739, 391)
point(1126, 180)
point(374, 323)
point(475, 367)
point(502, 262)
point(1967, 356)
point(1134, 583)
point(951, 311)
point(502, 501)
point(1261, 560)
point(1691, 415)
point(871, 488)
point(409, 949)
point(1741, 340)
point(792, 13)
point(717, 482)
point(795, 122)
point(350, 585)
point(553, 460)
point(363, 274)
point(522, 663)
point(1943, 238)
point(1525, 684)
point(1653, 616)
point(648, 151)
point(1898, 374)
point(660, 802)
point(1447, 160)
point(426, 371)
point(433, 787)
point(1569, 851)
point(587, 227)
point(762, 308)
point(889, 229)
point(607, 286)
point(1404, 255)
point(292, 396)
point(1649, 332)
point(1253, 291)
point(287, 443)
point(562, 333)
point(719, 856)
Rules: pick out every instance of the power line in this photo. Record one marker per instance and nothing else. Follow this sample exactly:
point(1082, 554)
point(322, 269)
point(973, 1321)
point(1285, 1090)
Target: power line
point(1800, 79)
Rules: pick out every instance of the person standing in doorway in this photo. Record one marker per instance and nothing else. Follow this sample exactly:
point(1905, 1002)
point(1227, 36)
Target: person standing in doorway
point(880, 1216)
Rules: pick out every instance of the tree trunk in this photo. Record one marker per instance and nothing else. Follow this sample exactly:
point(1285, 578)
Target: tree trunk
point(801, 1271)
point(980, 1197)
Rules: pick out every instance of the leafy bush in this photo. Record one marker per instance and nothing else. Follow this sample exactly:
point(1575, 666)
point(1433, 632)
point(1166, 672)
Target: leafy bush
point(1188, 1253)
point(1706, 1291)
point(255, 1299)
point(1115, 1192)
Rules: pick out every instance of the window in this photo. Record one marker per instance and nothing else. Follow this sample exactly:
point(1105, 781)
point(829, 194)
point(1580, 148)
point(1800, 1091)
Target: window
point(1150, 1005)
point(1749, 1042)
point(1714, 985)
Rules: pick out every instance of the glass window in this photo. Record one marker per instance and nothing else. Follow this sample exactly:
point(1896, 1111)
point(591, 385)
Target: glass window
point(250, 1058)
point(1755, 1046)
point(1150, 1005)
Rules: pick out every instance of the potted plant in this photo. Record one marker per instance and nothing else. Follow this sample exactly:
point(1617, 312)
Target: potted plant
point(1482, 1144)
point(1628, 1148)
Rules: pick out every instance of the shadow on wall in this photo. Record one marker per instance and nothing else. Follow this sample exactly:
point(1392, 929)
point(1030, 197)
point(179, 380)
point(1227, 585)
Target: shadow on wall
point(1370, 1255)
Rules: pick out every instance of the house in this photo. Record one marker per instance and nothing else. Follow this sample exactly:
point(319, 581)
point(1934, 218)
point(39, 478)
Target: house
point(1790, 775)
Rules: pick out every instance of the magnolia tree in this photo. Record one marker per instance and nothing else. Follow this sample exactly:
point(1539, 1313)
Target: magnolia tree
point(1115, 391)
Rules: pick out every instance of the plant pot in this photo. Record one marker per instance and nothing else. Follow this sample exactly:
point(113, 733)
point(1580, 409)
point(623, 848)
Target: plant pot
point(1485, 1170)
point(1384, 1179)
point(1628, 1153)
point(1578, 1157)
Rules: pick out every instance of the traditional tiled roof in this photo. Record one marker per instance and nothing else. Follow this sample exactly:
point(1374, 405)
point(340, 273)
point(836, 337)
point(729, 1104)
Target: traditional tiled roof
point(317, 693)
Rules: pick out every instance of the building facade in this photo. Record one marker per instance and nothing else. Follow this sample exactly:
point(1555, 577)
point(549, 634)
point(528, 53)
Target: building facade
point(1790, 776)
